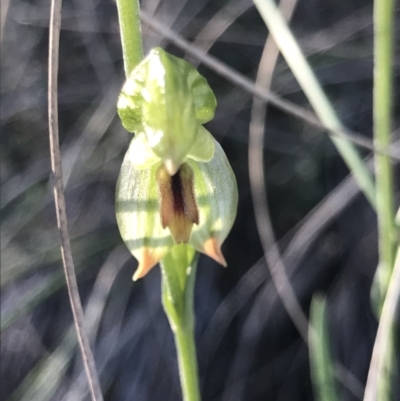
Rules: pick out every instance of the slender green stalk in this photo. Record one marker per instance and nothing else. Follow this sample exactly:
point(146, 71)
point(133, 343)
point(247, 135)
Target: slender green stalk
point(302, 71)
point(178, 276)
point(380, 375)
point(384, 14)
point(131, 36)
point(386, 287)
point(186, 350)
point(322, 369)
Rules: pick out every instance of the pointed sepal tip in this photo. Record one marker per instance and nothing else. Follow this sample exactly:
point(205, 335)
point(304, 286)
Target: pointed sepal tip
point(213, 249)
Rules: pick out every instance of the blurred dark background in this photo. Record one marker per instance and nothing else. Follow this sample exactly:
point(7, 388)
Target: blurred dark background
point(248, 348)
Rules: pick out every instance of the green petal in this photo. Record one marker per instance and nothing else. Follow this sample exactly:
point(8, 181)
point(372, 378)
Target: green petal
point(169, 118)
point(205, 102)
point(142, 155)
point(137, 212)
point(204, 146)
point(129, 104)
point(217, 197)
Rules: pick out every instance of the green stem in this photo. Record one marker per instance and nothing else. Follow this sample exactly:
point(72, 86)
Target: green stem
point(186, 350)
point(321, 364)
point(380, 380)
point(297, 62)
point(131, 36)
point(178, 277)
point(382, 367)
point(384, 14)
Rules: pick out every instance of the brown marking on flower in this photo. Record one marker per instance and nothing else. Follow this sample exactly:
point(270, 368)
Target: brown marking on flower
point(178, 208)
point(212, 248)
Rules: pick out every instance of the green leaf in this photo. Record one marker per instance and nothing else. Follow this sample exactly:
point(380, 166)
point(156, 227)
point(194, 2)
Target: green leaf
point(137, 213)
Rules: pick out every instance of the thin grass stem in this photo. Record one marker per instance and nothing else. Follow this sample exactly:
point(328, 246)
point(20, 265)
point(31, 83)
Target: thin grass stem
point(322, 367)
point(383, 92)
point(378, 385)
point(386, 287)
point(296, 60)
point(256, 171)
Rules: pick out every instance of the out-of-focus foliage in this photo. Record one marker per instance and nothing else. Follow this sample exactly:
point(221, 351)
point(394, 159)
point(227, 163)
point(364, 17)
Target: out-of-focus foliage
point(248, 349)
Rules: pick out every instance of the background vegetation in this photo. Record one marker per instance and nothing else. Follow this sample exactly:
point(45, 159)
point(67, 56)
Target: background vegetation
point(248, 348)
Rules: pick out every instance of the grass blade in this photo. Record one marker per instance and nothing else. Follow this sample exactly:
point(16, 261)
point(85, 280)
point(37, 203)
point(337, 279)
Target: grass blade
point(322, 369)
point(296, 60)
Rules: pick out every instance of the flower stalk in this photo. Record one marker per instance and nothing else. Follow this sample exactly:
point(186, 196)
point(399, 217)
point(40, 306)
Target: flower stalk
point(131, 35)
point(178, 277)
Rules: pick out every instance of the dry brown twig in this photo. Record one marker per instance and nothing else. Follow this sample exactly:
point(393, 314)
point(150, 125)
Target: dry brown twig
point(59, 199)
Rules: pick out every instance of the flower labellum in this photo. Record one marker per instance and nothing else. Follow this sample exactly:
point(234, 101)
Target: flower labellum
point(178, 209)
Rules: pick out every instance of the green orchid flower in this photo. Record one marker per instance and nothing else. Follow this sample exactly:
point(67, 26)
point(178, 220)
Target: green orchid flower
point(176, 184)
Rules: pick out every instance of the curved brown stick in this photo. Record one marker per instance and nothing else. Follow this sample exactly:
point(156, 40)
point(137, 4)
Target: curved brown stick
point(59, 199)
